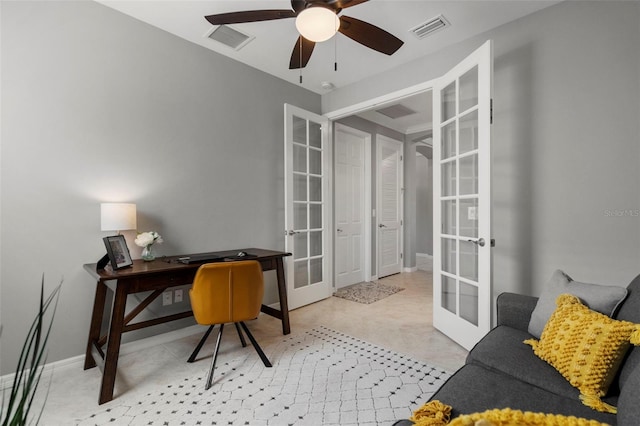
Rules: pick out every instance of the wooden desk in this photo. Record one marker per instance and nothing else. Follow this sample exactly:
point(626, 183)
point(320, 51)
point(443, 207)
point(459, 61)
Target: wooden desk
point(156, 276)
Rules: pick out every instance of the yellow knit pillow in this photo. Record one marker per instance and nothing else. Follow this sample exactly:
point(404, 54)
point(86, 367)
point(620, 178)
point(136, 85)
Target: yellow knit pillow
point(509, 417)
point(435, 413)
point(586, 347)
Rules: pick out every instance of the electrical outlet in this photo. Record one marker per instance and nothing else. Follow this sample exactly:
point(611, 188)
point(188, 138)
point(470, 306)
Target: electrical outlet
point(177, 296)
point(166, 298)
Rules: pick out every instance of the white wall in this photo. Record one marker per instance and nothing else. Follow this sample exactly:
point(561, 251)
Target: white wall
point(97, 106)
point(565, 140)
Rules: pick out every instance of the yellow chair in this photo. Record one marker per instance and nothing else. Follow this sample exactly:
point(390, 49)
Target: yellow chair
point(223, 293)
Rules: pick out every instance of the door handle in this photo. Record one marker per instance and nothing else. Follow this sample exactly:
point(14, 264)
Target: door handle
point(479, 241)
point(339, 230)
point(382, 225)
point(291, 232)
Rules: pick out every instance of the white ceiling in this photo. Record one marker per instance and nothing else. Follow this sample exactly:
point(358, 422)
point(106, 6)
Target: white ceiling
point(270, 49)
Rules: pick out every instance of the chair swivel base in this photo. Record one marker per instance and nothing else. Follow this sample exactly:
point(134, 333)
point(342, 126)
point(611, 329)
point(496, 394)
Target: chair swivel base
point(253, 341)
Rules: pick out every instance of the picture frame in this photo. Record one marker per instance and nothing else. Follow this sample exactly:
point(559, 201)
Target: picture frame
point(118, 251)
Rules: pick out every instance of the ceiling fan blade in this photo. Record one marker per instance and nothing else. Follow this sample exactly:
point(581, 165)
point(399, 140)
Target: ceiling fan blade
point(250, 16)
point(369, 35)
point(301, 53)
point(343, 4)
point(298, 5)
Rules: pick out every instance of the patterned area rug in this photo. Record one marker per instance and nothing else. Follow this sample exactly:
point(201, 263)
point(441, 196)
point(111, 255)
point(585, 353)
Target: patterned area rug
point(367, 292)
point(321, 377)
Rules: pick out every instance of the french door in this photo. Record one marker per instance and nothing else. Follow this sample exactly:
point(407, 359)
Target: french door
point(307, 162)
point(462, 199)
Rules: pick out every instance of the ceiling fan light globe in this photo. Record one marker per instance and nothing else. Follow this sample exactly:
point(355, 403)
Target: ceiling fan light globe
point(317, 23)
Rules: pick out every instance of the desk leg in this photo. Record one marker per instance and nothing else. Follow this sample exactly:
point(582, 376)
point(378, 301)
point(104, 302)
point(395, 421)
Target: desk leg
point(96, 323)
point(282, 293)
point(113, 345)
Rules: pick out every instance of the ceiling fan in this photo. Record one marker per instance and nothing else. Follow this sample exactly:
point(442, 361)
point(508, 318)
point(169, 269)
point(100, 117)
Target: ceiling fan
point(313, 11)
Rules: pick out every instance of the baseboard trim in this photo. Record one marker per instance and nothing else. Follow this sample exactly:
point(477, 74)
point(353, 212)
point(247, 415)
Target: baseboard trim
point(410, 269)
point(6, 381)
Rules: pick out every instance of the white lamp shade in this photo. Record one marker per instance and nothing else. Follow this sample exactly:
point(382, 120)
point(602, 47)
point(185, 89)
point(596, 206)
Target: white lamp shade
point(117, 216)
point(317, 23)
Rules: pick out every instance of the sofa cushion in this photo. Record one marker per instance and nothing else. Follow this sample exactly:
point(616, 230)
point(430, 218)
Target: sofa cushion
point(630, 311)
point(503, 350)
point(601, 298)
point(475, 388)
point(629, 401)
point(586, 347)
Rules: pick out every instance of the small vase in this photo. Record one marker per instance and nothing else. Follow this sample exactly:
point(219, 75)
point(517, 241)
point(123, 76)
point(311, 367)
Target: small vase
point(147, 254)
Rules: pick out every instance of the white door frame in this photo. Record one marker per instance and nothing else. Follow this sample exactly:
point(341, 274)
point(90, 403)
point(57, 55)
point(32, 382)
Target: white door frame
point(367, 207)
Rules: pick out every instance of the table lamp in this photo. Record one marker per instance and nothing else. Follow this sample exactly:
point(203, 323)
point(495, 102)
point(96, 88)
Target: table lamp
point(116, 217)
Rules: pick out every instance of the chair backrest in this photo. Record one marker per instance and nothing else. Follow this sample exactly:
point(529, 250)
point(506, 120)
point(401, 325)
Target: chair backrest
point(227, 292)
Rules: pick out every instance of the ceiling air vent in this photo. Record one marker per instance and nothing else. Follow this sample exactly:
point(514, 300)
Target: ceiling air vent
point(395, 111)
point(229, 37)
point(430, 27)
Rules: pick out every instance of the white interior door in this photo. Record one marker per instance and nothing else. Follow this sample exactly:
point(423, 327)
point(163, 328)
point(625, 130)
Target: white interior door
point(462, 199)
point(307, 206)
point(352, 205)
point(389, 197)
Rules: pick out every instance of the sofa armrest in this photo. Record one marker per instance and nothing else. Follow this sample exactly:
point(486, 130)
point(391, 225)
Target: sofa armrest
point(514, 310)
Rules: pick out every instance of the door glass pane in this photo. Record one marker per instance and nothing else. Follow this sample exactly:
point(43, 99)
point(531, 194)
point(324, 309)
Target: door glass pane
point(299, 158)
point(449, 140)
point(315, 270)
point(469, 217)
point(299, 130)
point(469, 89)
point(449, 102)
point(315, 243)
point(299, 187)
point(449, 294)
point(299, 216)
point(469, 260)
point(300, 245)
point(448, 178)
point(469, 302)
point(315, 188)
point(315, 162)
point(469, 132)
point(300, 274)
point(315, 216)
point(315, 135)
point(469, 175)
point(449, 217)
point(449, 255)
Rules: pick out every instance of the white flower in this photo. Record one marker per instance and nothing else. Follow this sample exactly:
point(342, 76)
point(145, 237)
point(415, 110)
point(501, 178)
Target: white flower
point(145, 239)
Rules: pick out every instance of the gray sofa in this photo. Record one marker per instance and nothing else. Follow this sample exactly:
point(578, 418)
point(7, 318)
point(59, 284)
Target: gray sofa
point(501, 371)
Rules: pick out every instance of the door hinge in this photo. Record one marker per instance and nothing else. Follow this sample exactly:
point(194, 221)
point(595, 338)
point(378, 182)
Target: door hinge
point(491, 111)
point(400, 255)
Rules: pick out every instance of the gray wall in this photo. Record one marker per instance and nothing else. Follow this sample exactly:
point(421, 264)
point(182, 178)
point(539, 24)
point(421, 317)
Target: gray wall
point(565, 140)
point(424, 204)
point(97, 106)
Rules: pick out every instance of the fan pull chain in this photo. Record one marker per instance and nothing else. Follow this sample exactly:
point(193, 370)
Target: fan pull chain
point(335, 52)
point(300, 65)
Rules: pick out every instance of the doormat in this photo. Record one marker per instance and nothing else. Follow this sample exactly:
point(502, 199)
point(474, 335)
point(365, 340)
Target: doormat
point(322, 377)
point(367, 292)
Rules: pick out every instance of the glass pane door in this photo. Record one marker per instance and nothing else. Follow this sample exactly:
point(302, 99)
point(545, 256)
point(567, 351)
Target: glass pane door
point(307, 167)
point(462, 259)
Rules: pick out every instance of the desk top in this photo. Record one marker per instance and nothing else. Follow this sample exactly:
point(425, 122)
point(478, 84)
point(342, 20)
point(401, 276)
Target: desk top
point(171, 263)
